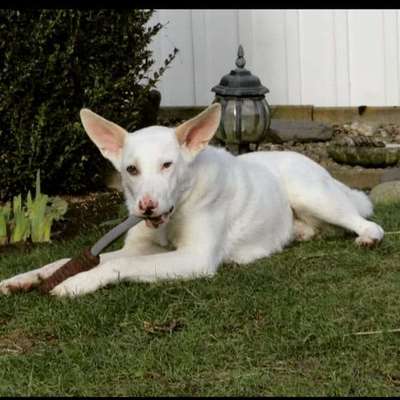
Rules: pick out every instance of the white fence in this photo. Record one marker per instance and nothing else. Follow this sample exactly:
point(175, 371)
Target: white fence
point(318, 57)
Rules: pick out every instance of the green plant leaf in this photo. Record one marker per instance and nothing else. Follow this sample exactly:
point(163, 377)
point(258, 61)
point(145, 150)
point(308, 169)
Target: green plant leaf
point(57, 207)
point(3, 228)
point(37, 186)
point(20, 231)
point(17, 201)
point(6, 209)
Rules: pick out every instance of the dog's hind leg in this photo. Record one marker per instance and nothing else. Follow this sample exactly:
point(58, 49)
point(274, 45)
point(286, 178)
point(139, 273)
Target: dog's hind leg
point(326, 200)
point(302, 230)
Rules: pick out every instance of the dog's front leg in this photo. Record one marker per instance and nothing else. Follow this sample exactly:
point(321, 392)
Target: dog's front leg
point(179, 264)
point(196, 255)
point(140, 243)
point(26, 281)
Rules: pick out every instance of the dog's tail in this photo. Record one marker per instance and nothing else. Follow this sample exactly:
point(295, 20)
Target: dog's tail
point(360, 200)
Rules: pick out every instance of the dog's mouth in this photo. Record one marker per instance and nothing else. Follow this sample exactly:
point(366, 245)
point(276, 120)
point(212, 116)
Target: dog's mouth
point(155, 222)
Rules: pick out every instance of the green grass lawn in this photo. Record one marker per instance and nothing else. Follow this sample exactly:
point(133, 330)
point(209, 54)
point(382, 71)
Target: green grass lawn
point(280, 326)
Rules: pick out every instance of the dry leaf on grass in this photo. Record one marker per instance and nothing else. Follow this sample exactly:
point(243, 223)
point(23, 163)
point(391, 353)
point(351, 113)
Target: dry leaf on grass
point(166, 327)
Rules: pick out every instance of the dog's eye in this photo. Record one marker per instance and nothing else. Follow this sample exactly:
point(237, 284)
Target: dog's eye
point(166, 164)
point(132, 170)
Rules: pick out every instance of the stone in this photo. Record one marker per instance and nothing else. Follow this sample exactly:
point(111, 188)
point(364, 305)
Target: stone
point(335, 114)
point(283, 130)
point(292, 112)
point(356, 177)
point(387, 115)
point(362, 128)
point(391, 174)
point(366, 156)
point(357, 128)
point(357, 140)
point(329, 115)
point(386, 193)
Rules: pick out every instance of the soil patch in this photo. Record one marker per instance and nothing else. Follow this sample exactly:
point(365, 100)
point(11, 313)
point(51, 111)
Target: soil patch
point(87, 211)
point(16, 342)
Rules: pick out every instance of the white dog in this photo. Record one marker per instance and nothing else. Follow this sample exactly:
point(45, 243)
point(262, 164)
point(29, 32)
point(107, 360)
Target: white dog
point(204, 206)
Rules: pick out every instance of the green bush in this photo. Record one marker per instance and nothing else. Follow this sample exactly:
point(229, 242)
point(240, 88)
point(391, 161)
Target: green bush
point(53, 63)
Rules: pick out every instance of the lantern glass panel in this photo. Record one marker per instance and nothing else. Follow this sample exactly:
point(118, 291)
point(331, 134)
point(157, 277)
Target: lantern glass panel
point(251, 121)
point(255, 120)
point(229, 120)
point(267, 113)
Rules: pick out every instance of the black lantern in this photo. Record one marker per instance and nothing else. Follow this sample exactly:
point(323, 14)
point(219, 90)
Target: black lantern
point(246, 115)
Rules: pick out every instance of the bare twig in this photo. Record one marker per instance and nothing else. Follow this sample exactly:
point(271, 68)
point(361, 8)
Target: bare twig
point(374, 332)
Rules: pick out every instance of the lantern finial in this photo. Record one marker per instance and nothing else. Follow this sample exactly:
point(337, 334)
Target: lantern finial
point(240, 61)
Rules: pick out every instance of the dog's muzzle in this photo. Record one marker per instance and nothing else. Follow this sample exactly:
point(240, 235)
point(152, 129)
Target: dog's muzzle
point(155, 222)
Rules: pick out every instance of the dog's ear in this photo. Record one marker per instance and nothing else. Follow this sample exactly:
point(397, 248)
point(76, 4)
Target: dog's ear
point(106, 135)
point(194, 134)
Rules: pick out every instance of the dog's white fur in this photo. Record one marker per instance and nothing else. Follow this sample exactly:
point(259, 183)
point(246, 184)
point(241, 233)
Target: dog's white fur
point(225, 208)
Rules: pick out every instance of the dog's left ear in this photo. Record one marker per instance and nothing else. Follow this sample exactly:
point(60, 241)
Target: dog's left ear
point(194, 135)
point(106, 135)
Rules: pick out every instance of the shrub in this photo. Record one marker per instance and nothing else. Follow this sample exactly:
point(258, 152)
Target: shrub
point(53, 63)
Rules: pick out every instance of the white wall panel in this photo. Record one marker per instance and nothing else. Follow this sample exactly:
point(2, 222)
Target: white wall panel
point(342, 60)
point(202, 96)
point(269, 61)
point(391, 65)
point(293, 56)
point(317, 48)
point(366, 50)
point(319, 57)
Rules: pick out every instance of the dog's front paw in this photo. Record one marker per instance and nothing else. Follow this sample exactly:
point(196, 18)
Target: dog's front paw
point(75, 286)
point(19, 283)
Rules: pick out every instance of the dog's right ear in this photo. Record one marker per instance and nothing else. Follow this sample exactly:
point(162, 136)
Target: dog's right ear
point(106, 135)
point(195, 134)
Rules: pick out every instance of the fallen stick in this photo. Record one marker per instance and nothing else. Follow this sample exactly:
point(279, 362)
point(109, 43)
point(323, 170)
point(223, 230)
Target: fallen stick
point(374, 332)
